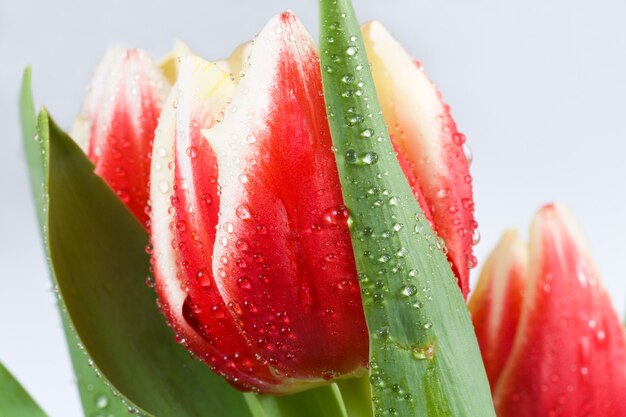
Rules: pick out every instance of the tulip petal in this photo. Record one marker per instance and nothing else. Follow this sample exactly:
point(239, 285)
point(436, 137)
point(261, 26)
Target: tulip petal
point(184, 212)
point(116, 125)
point(170, 63)
point(496, 302)
point(283, 257)
point(251, 208)
point(256, 232)
point(234, 65)
point(569, 356)
point(422, 127)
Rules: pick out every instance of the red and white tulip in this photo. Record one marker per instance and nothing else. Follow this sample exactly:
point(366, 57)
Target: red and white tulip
point(252, 253)
point(551, 341)
point(117, 122)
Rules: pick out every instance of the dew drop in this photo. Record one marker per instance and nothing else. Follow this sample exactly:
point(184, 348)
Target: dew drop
point(164, 186)
point(378, 298)
point(384, 258)
point(203, 278)
point(181, 225)
point(467, 151)
point(471, 261)
point(102, 402)
point(336, 216)
point(476, 237)
point(160, 151)
point(243, 283)
point(377, 381)
point(192, 151)
point(424, 353)
point(347, 79)
point(243, 212)
point(409, 290)
point(383, 333)
point(458, 138)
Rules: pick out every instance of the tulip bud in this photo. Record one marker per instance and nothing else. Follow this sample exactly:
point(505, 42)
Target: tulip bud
point(117, 122)
point(568, 356)
point(496, 303)
point(422, 129)
point(252, 252)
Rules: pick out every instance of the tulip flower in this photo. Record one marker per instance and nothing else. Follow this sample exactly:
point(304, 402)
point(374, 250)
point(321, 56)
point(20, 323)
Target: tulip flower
point(251, 248)
point(551, 342)
point(117, 122)
point(427, 139)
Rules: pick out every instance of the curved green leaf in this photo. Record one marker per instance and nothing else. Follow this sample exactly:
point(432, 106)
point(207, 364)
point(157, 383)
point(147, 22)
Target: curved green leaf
point(97, 253)
point(424, 358)
point(14, 400)
point(95, 395)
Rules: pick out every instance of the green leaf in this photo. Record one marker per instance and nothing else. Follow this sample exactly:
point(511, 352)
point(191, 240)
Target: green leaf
point(357, 396)
point(94, 393)
point(14, 400)
point(97, 254)
point(325, 401)
point(424, 358)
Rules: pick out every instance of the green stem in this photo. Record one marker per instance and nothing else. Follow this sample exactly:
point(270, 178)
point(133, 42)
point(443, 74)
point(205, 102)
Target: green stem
point(324, 401)
point(357, 396)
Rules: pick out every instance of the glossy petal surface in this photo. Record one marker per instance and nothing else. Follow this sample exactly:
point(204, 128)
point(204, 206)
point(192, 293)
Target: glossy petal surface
point(569, 356)
point(255, 231)
point(116, 125)
point(423, 130)
point(496, 302)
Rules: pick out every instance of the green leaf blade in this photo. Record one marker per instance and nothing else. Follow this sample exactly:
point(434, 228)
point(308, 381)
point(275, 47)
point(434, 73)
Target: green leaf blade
point(96, 253)
point(424, 358)
point(14, 400)
point(91, 388)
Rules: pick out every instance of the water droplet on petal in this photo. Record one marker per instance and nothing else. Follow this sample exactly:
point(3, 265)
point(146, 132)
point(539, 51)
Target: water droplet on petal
point(243, 212)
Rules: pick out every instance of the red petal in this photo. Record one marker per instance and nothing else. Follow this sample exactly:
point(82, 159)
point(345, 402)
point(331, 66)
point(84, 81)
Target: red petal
point(496, 302)
point(263, 253)
point(116, 127)
point(428, 137)
point(408, 169)
point(569, 357)
point(294, 286)
point(185, 200)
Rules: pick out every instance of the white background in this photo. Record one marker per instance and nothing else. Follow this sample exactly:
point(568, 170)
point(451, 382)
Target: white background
point(538, 86)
